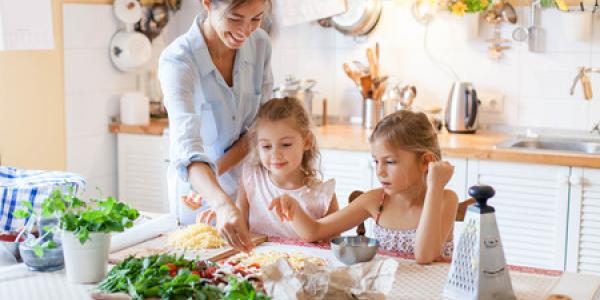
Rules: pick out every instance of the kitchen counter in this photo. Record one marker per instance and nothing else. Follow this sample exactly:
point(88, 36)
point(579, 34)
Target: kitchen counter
point(474, 146)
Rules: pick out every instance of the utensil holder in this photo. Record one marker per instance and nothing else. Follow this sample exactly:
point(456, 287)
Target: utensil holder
point(373, 111)
point(577, 25)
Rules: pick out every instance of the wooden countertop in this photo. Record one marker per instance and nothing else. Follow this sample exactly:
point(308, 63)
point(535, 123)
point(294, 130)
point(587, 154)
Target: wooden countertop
point(474, 146)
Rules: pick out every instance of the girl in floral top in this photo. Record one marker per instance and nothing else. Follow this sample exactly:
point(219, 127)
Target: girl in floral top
point(413, 212)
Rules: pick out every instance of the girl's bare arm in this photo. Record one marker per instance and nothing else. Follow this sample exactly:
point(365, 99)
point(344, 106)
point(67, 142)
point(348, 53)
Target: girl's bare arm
point(332, 225)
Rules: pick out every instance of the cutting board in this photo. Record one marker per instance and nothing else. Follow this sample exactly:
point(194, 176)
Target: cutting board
point(158, 245)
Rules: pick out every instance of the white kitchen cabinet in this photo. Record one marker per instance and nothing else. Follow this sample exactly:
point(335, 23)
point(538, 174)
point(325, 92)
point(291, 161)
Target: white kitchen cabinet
point(583, 253)
point(142, 170)
point(458, 183)
point(531, 205)
point(352, 171)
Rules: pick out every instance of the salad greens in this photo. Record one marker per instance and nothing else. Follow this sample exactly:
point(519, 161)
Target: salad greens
point(173, 277)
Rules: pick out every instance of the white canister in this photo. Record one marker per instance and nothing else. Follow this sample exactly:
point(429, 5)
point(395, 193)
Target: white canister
point(135, 109)
point(86, 263)
point(577, 25)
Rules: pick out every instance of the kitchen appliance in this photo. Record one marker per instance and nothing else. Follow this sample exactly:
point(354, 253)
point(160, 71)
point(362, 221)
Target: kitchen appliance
point(478, 269)
point(461, 108)
point(300, 89)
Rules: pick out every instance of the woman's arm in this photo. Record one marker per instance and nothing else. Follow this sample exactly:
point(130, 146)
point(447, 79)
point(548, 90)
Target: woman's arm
point(233, 156)
point(438, 214)
point(310, 230)
point(242, 203)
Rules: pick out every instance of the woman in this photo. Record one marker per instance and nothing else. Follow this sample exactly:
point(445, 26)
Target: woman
point(214, 78)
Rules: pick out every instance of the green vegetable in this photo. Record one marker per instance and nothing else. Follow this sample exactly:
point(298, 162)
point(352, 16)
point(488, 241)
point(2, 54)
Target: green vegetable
point(151, 277)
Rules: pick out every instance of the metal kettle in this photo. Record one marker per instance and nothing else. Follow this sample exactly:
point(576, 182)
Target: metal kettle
point(461, 108)
point(300, 89)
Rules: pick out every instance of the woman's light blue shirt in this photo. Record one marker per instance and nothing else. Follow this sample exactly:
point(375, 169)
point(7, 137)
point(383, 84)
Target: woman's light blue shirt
point(206, 116)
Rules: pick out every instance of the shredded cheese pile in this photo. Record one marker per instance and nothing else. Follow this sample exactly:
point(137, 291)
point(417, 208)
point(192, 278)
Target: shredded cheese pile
point(295, 259)
point(195, 237)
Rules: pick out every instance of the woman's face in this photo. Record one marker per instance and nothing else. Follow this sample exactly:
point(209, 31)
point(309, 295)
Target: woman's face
point(398, 170)
point(234, 26)
point(280, 146)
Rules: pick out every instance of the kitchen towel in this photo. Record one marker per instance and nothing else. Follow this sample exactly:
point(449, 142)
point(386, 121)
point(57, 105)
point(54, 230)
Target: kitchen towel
point(291, 12)
point(143, 231)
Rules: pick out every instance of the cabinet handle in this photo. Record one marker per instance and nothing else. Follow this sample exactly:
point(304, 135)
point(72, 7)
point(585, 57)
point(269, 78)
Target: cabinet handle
point(576, 180)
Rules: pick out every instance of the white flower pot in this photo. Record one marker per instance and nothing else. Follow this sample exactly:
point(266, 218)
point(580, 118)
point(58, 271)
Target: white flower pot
point(86, 263)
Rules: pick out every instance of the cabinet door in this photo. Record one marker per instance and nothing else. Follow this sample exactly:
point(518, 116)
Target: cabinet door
point(143, 172)
point(352, 170)
point(458, 183)
point(584, 222)
point(531, 204)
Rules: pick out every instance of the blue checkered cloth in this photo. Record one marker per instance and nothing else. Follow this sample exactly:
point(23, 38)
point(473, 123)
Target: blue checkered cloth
point(33, 186)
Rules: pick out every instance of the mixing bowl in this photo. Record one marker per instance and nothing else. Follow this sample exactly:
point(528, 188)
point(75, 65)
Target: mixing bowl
point(354, 249)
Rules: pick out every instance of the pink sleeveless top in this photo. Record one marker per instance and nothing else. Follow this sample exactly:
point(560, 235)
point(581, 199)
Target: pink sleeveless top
point(402, 241)
point(260, 191)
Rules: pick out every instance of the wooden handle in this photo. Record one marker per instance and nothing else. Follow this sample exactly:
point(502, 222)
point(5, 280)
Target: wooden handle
point(379, 92)
point(372, 63)
point(587, 87)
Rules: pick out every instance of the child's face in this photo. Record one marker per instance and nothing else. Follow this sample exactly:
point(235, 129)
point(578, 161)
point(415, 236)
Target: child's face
point(398, 170)
point(280, 146)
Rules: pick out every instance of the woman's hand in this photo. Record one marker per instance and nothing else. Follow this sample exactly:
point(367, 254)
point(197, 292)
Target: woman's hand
point(193, 201)
point(439, 173)
point(232, 226)
point(206, 216)
point(285, 206)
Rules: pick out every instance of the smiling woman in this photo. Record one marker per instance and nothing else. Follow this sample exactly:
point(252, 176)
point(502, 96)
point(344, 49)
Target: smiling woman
point(214, 78)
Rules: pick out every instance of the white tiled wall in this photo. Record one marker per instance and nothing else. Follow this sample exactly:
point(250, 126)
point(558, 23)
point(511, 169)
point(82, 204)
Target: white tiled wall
point(92, 91)
point(536, 85)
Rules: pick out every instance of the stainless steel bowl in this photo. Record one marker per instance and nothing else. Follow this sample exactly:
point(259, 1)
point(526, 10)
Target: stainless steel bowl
point(354, 249)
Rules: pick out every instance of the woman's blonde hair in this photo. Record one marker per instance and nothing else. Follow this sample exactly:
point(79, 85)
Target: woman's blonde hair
point(409, 131)
point(278, 109)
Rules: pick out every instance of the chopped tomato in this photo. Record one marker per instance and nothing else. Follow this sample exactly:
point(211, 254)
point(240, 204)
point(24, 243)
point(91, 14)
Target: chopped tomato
point(196, 273)
point(232, 263)
point(255, 265)
point(172, 267)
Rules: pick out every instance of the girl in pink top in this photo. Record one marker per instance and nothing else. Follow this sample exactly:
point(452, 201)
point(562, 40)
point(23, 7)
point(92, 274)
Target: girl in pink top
point(283, 162)
point(413, 212)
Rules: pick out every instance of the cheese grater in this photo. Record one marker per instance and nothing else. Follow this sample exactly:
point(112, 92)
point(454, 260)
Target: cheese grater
point(478, 269)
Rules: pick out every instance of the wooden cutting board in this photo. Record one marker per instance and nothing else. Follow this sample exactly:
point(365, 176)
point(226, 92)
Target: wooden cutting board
point(158, 245)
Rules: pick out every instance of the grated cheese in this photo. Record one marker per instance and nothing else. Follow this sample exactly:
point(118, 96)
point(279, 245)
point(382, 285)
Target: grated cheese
point(195, 237)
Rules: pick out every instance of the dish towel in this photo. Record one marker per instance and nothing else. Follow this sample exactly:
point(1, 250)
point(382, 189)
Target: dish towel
point(34, 186)
point(291, 12)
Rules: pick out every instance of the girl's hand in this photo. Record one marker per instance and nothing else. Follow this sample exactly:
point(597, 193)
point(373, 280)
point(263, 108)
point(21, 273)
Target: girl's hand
point(284, 206)
point(439, 173)
point(207, 216)
point(193, 201)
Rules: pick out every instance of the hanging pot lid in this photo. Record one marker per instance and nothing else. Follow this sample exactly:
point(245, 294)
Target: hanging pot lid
point(360, 17)
point(127, 11)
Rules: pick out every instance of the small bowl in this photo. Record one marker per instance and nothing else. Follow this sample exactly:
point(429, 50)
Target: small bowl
point(7, 240)
point(52, 259)
point(354, 249)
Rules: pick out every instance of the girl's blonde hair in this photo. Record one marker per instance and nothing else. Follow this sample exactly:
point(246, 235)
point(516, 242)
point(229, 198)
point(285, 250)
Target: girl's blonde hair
point(409, 131)
point(278, 109)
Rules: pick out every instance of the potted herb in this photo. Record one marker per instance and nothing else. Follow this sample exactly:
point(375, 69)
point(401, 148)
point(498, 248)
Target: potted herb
point(86, 228)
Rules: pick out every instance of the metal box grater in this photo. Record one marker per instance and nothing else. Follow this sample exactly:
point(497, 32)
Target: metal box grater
point(478, 269)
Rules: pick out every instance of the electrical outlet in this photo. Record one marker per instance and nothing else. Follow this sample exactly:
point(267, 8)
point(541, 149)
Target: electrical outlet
point(491, 102)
